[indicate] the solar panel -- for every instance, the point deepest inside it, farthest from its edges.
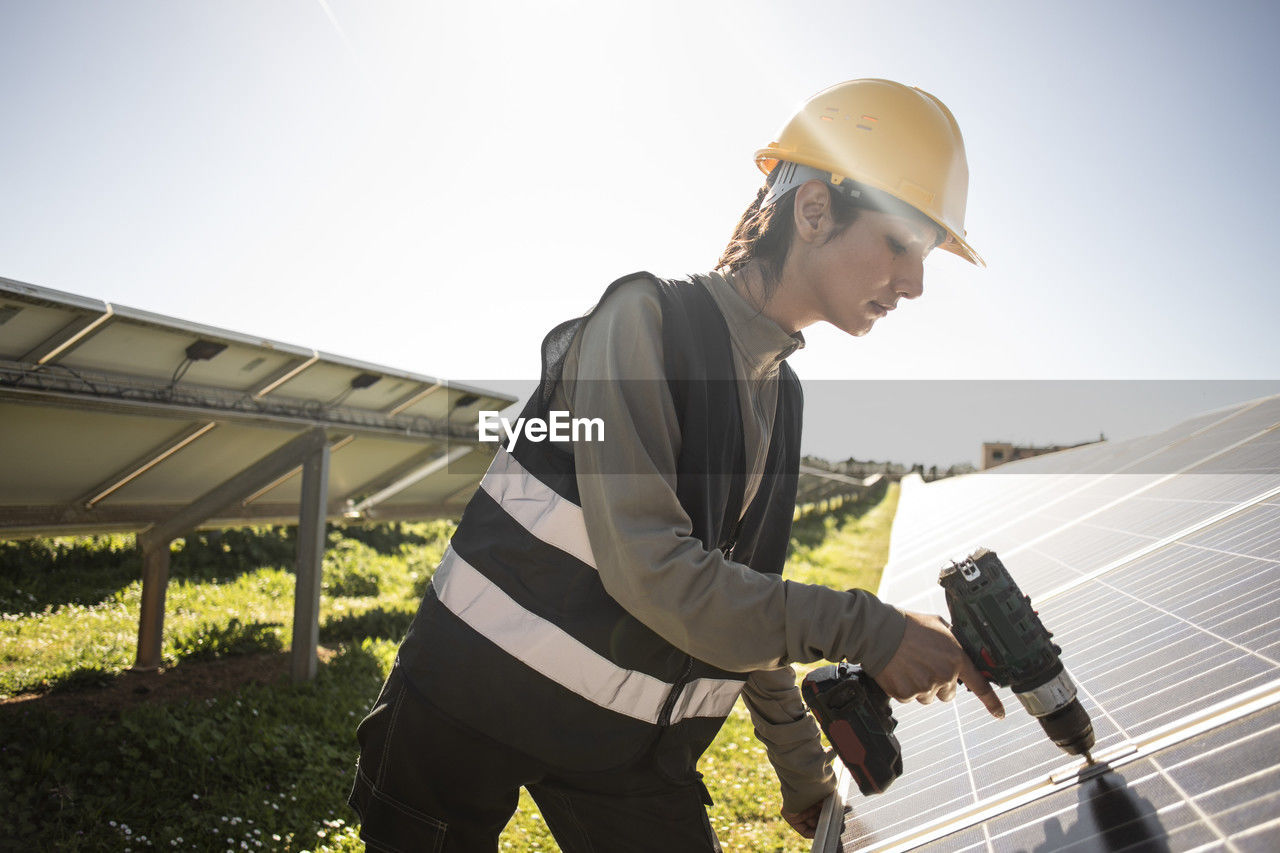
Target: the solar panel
(1216, 789)
(1155, 562)
(108, 421)
(817, 484)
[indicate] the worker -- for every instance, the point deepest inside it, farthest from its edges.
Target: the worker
(605, 601)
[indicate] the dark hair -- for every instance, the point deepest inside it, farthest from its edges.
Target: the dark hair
(765, 234)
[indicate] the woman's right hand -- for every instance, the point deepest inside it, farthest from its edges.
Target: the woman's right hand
(928, 663)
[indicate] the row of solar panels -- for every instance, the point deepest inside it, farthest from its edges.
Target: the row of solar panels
(1156, 562)
(818, 486)
(111, 417)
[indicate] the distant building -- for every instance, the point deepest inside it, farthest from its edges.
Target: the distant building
(999, 452)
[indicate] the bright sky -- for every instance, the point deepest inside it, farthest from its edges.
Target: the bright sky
(433, 186)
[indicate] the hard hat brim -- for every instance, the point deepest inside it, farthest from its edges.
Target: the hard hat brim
(958, 246)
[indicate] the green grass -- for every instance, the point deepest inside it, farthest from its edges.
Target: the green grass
(847, 547)
(218, 603)
(267, 767)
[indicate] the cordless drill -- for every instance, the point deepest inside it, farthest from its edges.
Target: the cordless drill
(995, 625)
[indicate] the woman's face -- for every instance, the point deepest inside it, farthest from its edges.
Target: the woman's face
(858, 276)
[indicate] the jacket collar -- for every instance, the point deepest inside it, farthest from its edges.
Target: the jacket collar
(761, 343)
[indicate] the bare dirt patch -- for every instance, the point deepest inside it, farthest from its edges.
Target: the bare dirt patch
(188, 680)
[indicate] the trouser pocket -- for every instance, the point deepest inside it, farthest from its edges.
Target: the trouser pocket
(389, 826)
(387, 822)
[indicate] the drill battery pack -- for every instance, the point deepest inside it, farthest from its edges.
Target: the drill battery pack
(853, 712)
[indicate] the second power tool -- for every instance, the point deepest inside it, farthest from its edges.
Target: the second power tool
(1003, 636)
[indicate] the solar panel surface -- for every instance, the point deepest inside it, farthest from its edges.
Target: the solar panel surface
(1156, 562)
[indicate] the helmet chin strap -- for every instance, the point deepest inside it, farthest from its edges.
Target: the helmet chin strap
(787, 176)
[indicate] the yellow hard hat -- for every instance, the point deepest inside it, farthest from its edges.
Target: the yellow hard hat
(887, 136)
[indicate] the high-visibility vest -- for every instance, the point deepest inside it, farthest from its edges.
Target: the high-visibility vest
(516, 637)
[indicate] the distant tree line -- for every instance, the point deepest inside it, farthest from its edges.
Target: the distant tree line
(892, 470)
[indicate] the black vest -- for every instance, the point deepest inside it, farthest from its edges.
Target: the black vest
(518, 639)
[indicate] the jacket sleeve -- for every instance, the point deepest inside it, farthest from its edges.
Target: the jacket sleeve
(790, 737)
(719, 611)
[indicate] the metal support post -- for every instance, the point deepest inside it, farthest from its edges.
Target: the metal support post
(154, 542)
(155, 580)
(306, 596)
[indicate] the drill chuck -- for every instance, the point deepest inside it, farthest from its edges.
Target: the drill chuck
(1059, 712)
(1070, 728)
(1048, 697)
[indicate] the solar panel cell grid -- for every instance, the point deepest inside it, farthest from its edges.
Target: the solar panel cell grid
(1111, 813)
(1106, 535)
(1223, 490)
(1216, 789)
(1174, 616)
(1232, 598)
(1257, 457)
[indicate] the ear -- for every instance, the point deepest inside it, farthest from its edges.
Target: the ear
(812, 211)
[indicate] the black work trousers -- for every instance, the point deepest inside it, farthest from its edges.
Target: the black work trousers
(426, 783)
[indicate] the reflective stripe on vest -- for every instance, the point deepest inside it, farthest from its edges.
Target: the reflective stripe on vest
(538, 509)
(544, 646)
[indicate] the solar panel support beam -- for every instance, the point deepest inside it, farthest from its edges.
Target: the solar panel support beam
(438, 463)
(67, 338)
(265, 470)
(306, 596)
(154, 542)
(393, 475)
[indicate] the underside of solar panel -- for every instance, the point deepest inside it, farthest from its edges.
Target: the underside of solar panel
(112, 418)
(1156, 562)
